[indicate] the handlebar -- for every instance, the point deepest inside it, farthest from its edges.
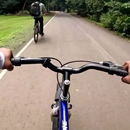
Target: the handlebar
(105, 66)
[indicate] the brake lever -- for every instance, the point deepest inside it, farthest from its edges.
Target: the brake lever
(115, 69)
(111, 64)
(108, 63)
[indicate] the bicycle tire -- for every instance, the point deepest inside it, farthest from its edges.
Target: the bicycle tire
(36, 34)
(39, 28)
(55, 119)
(55, 123)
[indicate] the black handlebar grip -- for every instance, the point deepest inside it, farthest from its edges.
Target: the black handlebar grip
(122, 73)
(16, 61)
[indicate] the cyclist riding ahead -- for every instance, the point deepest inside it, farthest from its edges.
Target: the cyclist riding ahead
(37, 10)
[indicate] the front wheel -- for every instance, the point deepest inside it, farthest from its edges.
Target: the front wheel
(55, 119)
(55, 124)
(36, 34)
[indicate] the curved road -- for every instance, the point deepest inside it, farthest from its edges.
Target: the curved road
(100, 101)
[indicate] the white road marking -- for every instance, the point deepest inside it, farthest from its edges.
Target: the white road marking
(24, 48)
(98, 45)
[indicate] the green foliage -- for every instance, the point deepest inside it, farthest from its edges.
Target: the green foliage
(126, 29)
(23, 13)
(108, 20)
(87, 7)
(125, 8)
(120, 24)
(14, 6)
(57, 4)
(113, 5)
(8, 6)
(113, 14)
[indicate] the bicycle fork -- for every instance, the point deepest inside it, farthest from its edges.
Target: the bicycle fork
(55, 110)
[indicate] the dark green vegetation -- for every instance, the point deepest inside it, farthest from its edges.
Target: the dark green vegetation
(14, 6)
(112, 14)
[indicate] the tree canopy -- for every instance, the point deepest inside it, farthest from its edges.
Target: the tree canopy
(113, 14)
(14, 6)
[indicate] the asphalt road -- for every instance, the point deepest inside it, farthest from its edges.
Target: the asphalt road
(100, 101)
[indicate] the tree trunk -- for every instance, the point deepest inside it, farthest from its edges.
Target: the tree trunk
(24, 5)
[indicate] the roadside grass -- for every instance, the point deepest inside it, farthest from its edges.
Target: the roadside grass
(111, 31)
(14, 30)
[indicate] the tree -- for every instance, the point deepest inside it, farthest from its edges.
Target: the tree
(24, 4)
(6, 8)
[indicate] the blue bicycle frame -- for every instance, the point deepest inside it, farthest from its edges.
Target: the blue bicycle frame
(63, 98)
(63, 111)
(64, 120)
(63, 104)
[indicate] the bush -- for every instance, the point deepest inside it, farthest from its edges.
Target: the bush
(82, 12)
(95, 17)
(108, 20)
(126, 29)
(125, 8)
(25, 12)
(72, 11)
(120, 24)
(1, 11)
(9, 14)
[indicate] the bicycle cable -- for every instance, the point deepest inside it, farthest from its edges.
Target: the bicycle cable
(70, 63)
